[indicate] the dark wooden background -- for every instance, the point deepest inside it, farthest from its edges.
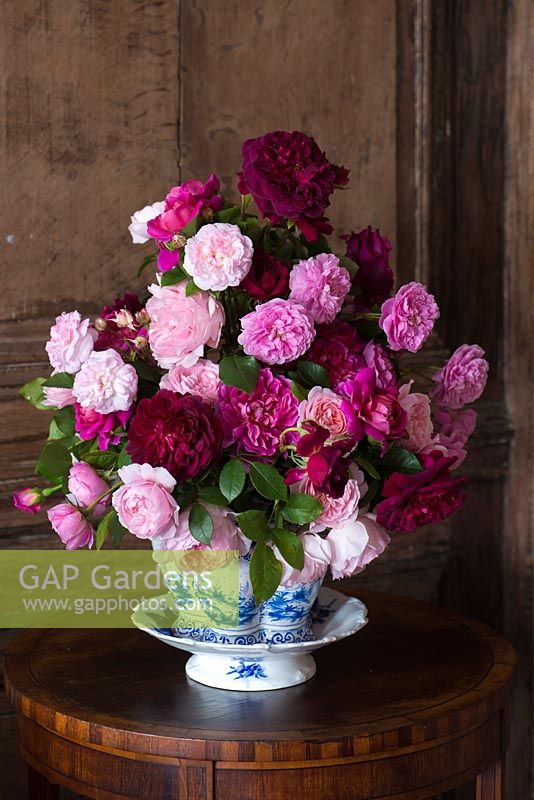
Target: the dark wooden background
(104, 105)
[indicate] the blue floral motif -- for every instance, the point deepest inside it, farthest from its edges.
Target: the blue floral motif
(320, 614)
(247, 609)
(290, 605)
(247, 669)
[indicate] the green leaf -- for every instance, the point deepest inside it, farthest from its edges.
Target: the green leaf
(61, 380)
(301, 508)
(231, 215)
(124, 458)
(350, 266)
(54, 432)
(191, 288)
(213, 495)
(116, 531)
(172, 276)
(33, 393)
(290, 547)
(146, 371)
(299, 391)
(367, 466)
(268, 481)
(100, 459)
(399, 460)
(150, 259)
(191, 228)
(253, 524)
(103, 529)
(311, 374)
(184, 494)
(265, 572)
(64, 419)
(54, 462)
(232, 479)
(200, 524)
(239, 371)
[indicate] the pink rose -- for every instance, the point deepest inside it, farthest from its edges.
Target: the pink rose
(226, 535)
(408, 318)
(71, 526)
(90, 423)
(455, 429)
(371, 411)
(355, 545)
(376, 357)
(105, 383)
(57, 398)
(324, 407)
(419, 427)
(337, 511)
(317, 555)
(71, 342)
(276, 332)
(86, 485)
(201, 379)
(320, 285)
(218, 256)
(462, 378)
(182, 204)
(181, 326)
(28, 499)
(144, 504)
(140, 219)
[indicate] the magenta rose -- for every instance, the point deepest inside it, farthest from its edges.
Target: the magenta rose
(289, 176)
(178, 432)
(374, 280)
(326, 468)
(408, 318)
(267, 278)
(422, 498)
(182, 204)
(254, 422)
(370, 410)
(28, 499)
(71, 526)
(463, 377)
(276, 332)
(320, 285)
(90, 423)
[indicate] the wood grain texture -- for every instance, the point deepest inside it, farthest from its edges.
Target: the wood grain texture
(89, 136)
(112, 714)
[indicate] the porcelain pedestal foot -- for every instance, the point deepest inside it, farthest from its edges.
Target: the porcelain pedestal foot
(250, 674)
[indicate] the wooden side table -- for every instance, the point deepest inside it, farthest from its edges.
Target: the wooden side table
(413, 705)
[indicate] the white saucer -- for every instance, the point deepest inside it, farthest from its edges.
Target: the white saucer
(260, 667)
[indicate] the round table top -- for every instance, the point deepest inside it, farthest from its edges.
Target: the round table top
(414, 673)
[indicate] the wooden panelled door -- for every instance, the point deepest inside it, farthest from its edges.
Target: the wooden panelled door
(427, 102)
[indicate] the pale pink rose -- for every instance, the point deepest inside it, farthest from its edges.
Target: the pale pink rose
(55, 397)
(226, 535)
(71, 526)
(317, 557)
(419, 426)
(200, 379)
(321, 285)
(86, 485)
(455, 429)
(105, 383)
(140, 219)
(408, 318)
(218, 256)
(324, 407)
(355, 545)
(71, 342)
(462, 378)
(336, 511)
(277, 332)
(181, 326)
(144, 504)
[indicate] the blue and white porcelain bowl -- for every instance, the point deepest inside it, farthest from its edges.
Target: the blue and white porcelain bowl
(264, 665)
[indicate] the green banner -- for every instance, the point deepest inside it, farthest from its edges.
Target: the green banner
(85, 589)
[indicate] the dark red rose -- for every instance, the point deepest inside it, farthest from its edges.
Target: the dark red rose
(120, 337)
(290, 177)
(175, 431)
(422, 498)
(266, 278)
(338, 349)
(374, 280)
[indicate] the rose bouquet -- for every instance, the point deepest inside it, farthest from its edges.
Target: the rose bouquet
(260, 396)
